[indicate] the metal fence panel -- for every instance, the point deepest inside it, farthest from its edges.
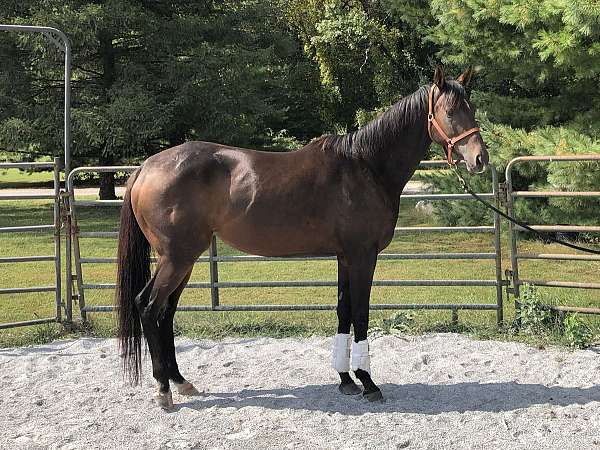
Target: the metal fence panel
(214, 259)
(516, 256)
(55, 228)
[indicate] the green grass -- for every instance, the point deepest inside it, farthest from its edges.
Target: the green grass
(219, 324)
(16, 178)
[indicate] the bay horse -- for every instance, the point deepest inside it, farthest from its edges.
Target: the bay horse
(339, 195)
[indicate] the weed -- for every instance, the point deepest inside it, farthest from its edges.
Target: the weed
(576, 333)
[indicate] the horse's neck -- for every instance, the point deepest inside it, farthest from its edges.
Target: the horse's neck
(396, 163)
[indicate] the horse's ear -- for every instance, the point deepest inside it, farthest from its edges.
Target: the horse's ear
(438, 77)
(465, 77)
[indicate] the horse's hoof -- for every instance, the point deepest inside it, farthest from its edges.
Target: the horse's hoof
(375, 396)
(187, 388)
(349, 388)
(164, 400)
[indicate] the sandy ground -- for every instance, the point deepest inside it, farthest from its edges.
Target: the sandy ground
(442, 391)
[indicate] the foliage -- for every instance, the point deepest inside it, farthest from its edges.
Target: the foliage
(505, 143)
(367, 57)
(577, 333)
(536, 318)
(149, 75)
(541, 56)
(397, 323)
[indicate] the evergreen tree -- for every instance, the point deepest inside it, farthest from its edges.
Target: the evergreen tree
(149, 75)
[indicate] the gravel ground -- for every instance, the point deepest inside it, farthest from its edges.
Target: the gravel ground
(442, 391)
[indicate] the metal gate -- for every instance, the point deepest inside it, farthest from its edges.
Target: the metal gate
(213, 259)
(62, 43)
(516, 256)
(53, 228)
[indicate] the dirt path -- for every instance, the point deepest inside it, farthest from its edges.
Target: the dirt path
(442, 391)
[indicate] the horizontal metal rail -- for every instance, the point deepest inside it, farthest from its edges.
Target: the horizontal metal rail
(405, 230)
(558, 256)
(536, 194)
(432, 197)
(27, 289)
(25, 259)
(474, 229)
(316, 283)
(26, 165)
(4, 326)
(488, 196)
(26, 229)
(26, 197)
(255, 258)
(318, 307)
(575, 309)
(561, 284)
(563, 228)
(98, 202)
(553, 158)
(99, 234)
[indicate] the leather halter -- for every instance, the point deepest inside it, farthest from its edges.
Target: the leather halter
(448, 143)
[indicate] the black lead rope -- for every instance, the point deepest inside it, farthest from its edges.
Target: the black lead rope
(468, 190)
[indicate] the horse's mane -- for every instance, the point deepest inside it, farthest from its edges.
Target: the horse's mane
(382, 132)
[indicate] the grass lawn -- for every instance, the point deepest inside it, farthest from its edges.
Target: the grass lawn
(16, 178)
(218, 324)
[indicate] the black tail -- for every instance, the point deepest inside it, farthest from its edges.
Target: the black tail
(133, 273)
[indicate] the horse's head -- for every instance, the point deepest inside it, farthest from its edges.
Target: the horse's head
(451, 121)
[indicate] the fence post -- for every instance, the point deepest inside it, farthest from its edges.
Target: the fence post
(498, 248)
(57, 227)
(68, 261)
(214, 273)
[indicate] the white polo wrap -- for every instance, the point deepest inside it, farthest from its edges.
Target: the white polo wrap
(340, 353)
(360, 356)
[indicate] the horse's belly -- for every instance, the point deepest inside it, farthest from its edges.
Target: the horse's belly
(279, 240)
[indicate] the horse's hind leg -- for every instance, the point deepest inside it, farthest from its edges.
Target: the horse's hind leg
(153, 308)
(165, 328)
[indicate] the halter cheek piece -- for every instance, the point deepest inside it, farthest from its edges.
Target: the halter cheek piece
(448, 143)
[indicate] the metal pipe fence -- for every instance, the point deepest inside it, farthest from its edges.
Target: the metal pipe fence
(213, 259)
(55, 227)
(516, 255)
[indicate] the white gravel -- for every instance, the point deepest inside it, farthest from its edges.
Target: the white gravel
(442, 391)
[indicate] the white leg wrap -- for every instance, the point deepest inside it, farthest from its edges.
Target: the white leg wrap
(360, 356)
(340, 353)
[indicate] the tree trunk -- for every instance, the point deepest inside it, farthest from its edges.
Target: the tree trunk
(107, 180)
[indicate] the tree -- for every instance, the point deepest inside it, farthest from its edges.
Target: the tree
(150, 75)
(367, 57)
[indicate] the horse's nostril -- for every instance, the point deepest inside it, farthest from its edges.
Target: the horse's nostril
(479, 160)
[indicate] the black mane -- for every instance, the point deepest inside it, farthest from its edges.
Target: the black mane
(383, 132)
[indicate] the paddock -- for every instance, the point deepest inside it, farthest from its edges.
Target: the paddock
(441, 390)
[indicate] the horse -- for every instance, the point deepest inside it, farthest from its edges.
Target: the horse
(337, 196)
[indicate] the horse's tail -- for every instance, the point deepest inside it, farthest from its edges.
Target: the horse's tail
(133, 273)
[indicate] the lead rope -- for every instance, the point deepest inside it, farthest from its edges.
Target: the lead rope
(468, 190)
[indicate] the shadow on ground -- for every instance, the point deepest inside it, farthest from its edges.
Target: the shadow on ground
(407, 398)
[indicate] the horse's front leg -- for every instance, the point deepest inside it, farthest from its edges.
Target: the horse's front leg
(340, 355)
(361, 270)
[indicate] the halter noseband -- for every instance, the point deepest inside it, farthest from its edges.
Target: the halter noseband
(449, 143)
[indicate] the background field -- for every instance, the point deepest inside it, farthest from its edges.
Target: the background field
(217, 324)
